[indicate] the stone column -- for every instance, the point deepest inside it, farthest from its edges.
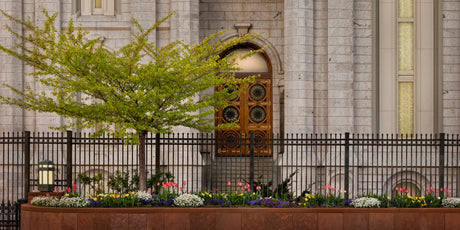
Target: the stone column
(185, 24)
(185, 27)
(11, 71)
(144, 11)
(340, 66)
(34, 121)
(298, 59)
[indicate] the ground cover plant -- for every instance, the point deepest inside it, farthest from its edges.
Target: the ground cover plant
(172, 196)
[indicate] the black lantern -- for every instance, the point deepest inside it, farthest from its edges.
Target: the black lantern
(46, 176)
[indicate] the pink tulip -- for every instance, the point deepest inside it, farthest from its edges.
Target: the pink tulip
(229, 183)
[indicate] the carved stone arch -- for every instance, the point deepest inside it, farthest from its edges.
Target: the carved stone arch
(337, 181)
(270, 50)
(275, 59)
(405, 177)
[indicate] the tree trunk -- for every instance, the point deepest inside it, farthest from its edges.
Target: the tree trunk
(142, 171)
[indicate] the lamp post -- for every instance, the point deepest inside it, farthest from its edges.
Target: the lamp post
(46, 176)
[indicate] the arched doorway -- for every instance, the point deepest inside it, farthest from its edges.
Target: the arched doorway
(251, 110)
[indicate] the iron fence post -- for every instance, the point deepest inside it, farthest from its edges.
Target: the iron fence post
(26, 163)
(441, 159)
(18, 211)
(251, 160)
(157, 153)
(69, 158)
(347, 164)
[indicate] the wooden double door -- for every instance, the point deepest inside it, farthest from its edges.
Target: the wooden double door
(252, 112)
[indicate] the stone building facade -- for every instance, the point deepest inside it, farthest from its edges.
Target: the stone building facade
(359, 66)
(334, 64)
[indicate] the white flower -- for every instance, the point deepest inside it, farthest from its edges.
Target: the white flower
(46, 201)
(451, 202)
(366, 202)
(73, 202)
(67, 202)
(144, 195)
(188, 200)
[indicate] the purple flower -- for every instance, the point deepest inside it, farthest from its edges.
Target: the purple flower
(253, 202)
(348, 202)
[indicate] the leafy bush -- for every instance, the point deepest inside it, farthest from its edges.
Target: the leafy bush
(121, 182)
(95, 182)
(281, 191)
(158, 180)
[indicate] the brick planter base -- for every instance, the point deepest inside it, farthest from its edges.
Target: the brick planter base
(33, 217)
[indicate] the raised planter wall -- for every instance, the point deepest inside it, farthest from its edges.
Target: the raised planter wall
(33, 218)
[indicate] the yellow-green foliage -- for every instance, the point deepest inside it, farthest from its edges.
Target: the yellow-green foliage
(132, 90)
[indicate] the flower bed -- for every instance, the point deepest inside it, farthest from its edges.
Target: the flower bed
(35, 217)
(240, 209)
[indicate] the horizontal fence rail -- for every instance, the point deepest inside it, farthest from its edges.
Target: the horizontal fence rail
(352, 164)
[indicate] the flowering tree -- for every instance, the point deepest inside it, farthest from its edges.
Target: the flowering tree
(128, 92)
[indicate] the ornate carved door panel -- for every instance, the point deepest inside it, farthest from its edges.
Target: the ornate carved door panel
(252, 112)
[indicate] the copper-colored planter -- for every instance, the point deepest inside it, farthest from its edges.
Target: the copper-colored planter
(33, 217)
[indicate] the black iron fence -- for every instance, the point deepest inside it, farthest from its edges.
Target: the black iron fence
(349, 163)
(10, 214)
